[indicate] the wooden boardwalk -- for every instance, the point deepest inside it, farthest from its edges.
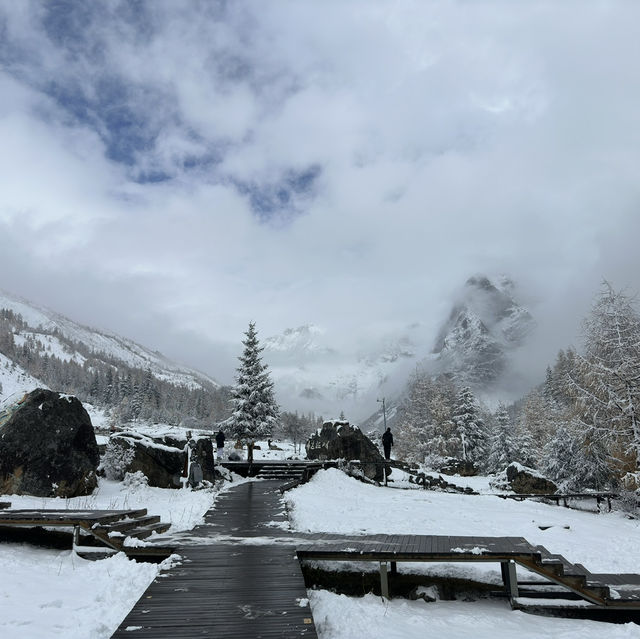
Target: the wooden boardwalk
(239, 576)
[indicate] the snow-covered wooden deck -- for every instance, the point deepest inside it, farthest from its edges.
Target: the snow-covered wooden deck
(240, 574)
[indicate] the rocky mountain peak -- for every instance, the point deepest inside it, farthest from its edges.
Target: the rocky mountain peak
(485, 325)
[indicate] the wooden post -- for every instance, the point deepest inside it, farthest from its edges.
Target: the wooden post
(384, 582)
(509, 578)
(394, 567)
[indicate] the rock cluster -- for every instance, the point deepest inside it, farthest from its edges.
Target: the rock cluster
(337, 439)
(462, 467)
(438, 483)
(161, 459)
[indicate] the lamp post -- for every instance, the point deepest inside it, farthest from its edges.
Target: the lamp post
(384, 416)
(384, 411)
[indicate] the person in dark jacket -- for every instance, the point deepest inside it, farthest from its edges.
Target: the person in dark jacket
(387, 443)
(220, 443)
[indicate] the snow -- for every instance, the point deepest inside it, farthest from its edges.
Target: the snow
(52, 346)
(56, 594)
(341, 617)
(15, 381)
(333, 502)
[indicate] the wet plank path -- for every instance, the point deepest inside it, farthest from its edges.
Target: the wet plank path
(239, 576)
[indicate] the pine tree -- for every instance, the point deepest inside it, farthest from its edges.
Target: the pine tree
(502, 450)
(470, 427)
(255, 409)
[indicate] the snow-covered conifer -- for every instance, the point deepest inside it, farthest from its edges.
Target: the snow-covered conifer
(255, 409)
(469, 427)
(502, 446)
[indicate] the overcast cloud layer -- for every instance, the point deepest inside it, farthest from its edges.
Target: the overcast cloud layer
(172, 170)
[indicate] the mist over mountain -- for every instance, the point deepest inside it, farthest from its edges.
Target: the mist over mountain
(479, 344)
(486, 326)
(311, 374)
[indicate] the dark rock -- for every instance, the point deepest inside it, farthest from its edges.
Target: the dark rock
(340, 440)
(163, 459)
(204, 453)
(527, 481)
(48, 447)
(453, 466)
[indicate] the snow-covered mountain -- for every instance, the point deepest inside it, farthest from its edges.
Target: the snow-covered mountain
(486, 326)
(475, 344)
(310, 373)
(59, 336)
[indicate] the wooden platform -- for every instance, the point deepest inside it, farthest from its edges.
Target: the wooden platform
(110, 527)
(612, 591)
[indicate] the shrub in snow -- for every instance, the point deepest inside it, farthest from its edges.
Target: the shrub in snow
(116, 460)
(136, 480)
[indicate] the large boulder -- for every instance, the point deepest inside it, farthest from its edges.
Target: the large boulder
(524, 481)
(47, 447)
(339, 440)
(161, 459)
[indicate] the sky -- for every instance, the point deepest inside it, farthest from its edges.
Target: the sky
(173, 170)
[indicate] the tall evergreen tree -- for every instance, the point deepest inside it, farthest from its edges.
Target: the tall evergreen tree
(255, 409)
(502, 445)
(470, 427)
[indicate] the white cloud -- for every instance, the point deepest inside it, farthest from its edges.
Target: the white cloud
(451, 138)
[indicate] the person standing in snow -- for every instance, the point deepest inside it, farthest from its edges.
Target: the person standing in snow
(220, 444)
(387, 443)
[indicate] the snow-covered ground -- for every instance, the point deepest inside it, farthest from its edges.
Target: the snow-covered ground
(51, 593)
(340, 617)
(333, 502)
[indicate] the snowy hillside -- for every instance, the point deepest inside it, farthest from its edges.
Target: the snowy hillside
(45, 324)
(14, 380)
